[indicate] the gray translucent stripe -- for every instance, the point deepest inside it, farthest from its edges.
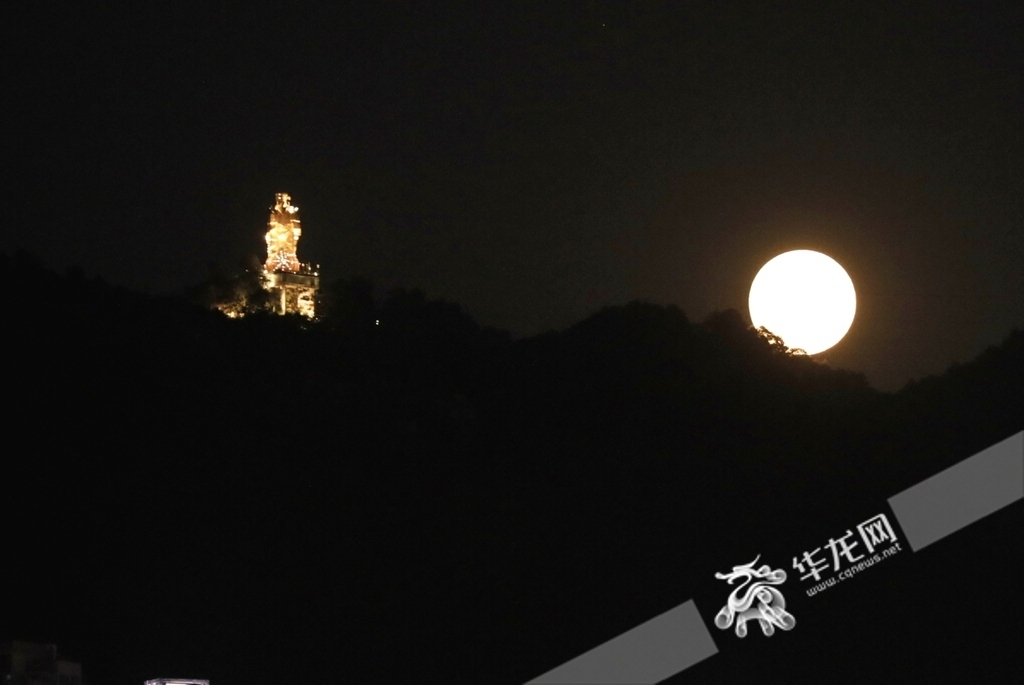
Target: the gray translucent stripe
(651, 652)
(962, 494)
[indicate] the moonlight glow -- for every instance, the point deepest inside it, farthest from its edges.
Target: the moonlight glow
(805, 298)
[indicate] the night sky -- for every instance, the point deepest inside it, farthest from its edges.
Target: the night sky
(534, 162)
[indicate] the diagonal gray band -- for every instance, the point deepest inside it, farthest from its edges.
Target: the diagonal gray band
(651, 652)
(932, 509)
(962, 494)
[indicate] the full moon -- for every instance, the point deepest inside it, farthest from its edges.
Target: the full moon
(805, 298)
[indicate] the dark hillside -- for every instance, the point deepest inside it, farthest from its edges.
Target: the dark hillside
(269, 498)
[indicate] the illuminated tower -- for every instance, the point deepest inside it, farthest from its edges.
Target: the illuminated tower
(283, 236)
(293, 284)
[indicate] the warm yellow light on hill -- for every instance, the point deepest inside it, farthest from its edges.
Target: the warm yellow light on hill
(282, 237)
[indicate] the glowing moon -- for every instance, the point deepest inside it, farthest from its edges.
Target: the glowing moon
(805, 298)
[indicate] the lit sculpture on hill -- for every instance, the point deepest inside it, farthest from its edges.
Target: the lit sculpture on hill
(283, 236)
(283, 285)
(293, 285)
